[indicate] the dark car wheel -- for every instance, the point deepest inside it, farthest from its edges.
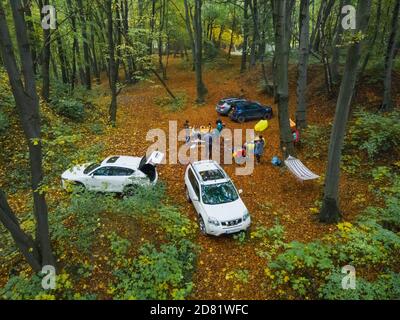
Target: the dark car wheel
(267, 116)
(78, 187)
(202, 226)
(241, 119)
(187, 195)
(130, 191)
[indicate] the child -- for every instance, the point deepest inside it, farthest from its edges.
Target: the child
(259, 148)
(187, 131)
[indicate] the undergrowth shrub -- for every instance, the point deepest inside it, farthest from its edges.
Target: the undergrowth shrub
(376, 134)
(316, 140)
(171, 104)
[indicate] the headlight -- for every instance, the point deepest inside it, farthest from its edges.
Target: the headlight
(213, 221)
(246, 216)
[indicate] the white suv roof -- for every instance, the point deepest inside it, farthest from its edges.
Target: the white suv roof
(209, 172)
(124, 161)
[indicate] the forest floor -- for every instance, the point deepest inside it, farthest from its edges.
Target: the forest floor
(269, 193)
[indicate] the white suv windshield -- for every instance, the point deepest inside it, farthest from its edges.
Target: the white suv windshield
(219, 193)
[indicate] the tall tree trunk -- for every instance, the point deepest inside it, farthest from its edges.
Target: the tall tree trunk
(198, 40)
(243, 66)
(330, 212)
(95, 64)
(125, 23)
(85, 40)
(304, 23)
(282, 39)
(233, 28)
(373, 40)
(112, 65)
(39, 253)
(256, 34)
(336, 50)
(387, 104)
(62, 56)
(75, 45)
(45, 60)
(31, 32)
(188, 19)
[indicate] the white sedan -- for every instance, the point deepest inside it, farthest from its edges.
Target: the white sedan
(121, 174)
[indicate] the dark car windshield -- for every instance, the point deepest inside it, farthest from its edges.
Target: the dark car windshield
(91, 167)
(219, 193)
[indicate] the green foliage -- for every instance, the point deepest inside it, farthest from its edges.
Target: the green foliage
(3, 122)
(316, 139)
(385, 287)
(240, 237)
(29, 287)
(119, 245)
(238, 275)
(70, 108)
(162, 273)
(389, 215)
(171, 104)
(67, 103)
(371, 245)
(269, 240)
(375, 133)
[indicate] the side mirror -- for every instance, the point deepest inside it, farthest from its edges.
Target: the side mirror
(195, 198)
(240, 191)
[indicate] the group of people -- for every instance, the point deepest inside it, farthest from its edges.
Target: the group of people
(256, 147)
(208, 136)
(204, 134)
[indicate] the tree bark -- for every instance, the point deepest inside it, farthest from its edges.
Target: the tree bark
(304, 23)
(336, 50)
(85, 40)
(45, 60)
(330, 212)
(27, 104)
(243, 66)
(112, 65)
(198, 40)
(387, 103)
(282, 38)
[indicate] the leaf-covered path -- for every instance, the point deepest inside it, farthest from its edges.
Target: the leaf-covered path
(269, 193)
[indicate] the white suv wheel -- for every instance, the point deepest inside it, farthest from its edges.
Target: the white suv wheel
(188, 196)
(202, 226)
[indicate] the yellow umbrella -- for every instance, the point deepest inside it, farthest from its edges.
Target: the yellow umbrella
(292, 124)
(261, 126)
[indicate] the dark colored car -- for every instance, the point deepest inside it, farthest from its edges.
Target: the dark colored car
(225, 105)
(248, 110)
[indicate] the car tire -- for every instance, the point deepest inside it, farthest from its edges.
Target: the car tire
(80, 187)
(187, 195)
(130, 190)
(267, 116)
(241, 119)
(202, 226)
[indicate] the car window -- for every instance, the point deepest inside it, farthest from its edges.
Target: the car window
(219, 193)
(252, 107)
(91, 167)
(104, 171)
(121, 172)
(194, 182)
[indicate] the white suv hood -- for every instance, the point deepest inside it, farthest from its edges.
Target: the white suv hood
(227, 211)
(75, 172)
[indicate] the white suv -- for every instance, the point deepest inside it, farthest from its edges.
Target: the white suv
(115, 174)
(217, 202)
